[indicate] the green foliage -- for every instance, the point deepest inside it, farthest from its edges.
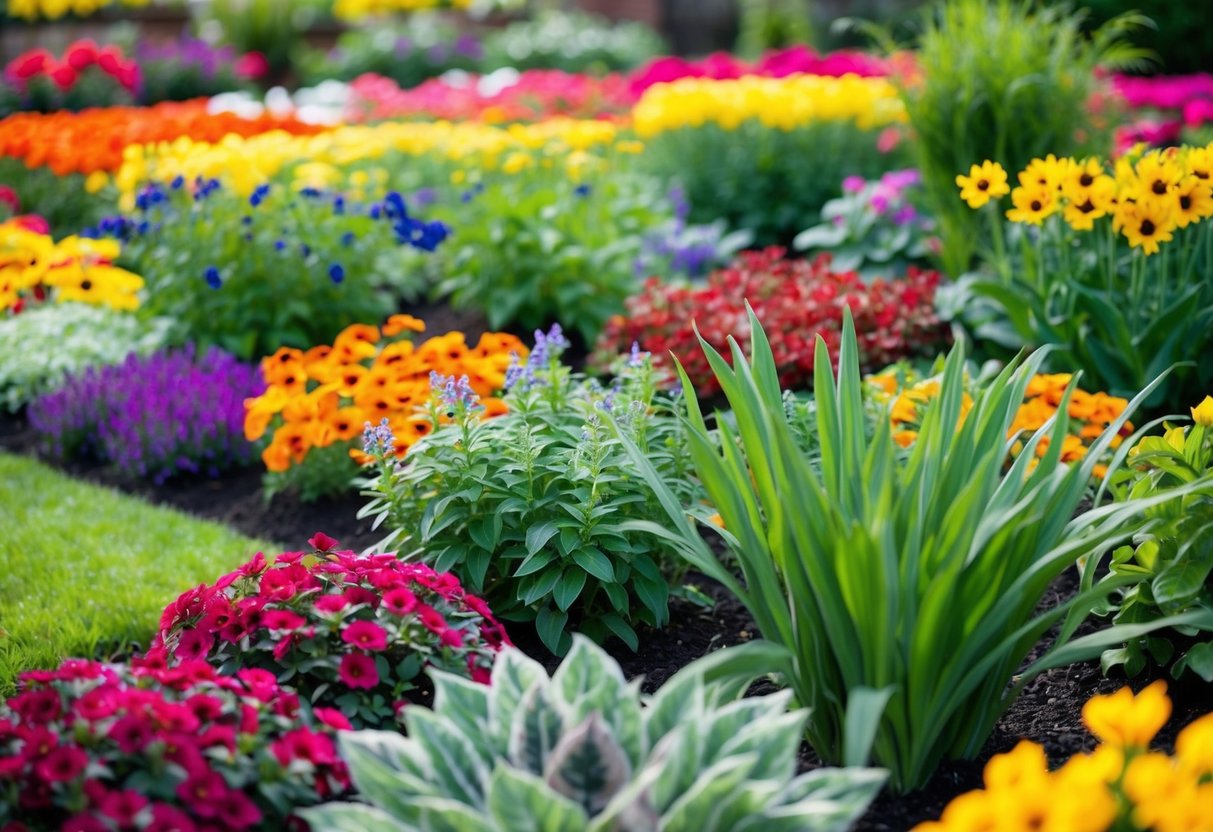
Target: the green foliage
(44, 345)
(62, 201)
(534, 248)
(1180, 35)
(527, 508)
(1171, 565)
(1004, 80)
(854, 563)
(572, 42)
(583, 751)
(255, 273)
(87, 571)
(773, 24)
(769, 181)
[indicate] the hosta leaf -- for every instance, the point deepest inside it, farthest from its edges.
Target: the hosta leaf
(387, 769)
(352, 817)
(588, 766)
(464, 702)
(694, 810)
(513, 675)
(535, 730)
(521, 802)
(458, 767)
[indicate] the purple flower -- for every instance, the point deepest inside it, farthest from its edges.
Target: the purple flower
(378, 440)
(853, 184)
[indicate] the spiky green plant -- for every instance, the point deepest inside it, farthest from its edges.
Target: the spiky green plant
(906, 585)
(583, 750)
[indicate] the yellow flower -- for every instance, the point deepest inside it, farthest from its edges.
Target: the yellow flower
(1087, 203)
(1157, 176)
(1080, 176)
(1124, 720)
(96, 180)
(1194, 747)
(1202, 414)
(1047, 173)
(1145, 224)
(1200, 162)
(1193, 201)
(985, 182)
(1032, 204)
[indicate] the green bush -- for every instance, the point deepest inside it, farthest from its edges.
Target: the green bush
(572, 42)
(582, 751)
(1006, 80)
(854, 562)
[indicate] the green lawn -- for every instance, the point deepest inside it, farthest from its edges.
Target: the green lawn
(85, 571)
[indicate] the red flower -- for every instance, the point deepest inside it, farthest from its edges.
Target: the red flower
(130, 733)
(67, 762)
(399, 601)
(193, 645)
(321, 542)
(9, 197)
(238, 812)
(330, 603)
(34, 62)
(204, 793)
(251, 66)
(64, 77)
(84, 823)
(282, 620)
(166, 818)
(333, 718)
(366, 635)
(123, 806)
(358, 670)
(81, 55)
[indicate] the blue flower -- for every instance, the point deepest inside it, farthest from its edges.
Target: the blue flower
(178, 182)
(212, 277)
(347, 239)
(305, 250)
(259, 195)
(336, 273)
(395, 207)
(582, 191)
(279, 245)
(339, 205)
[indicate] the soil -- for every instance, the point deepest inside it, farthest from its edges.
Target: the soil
(1048, 711)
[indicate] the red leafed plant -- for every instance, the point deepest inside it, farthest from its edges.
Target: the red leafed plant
(796, 300)
(102, 747)
(348, 631)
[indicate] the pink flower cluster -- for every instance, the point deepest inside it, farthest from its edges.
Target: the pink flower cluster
(345, 630)
(79, 58)
(1173, 102)
(91, 747)
(781, 63)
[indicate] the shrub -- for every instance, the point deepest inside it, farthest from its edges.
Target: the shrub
(1169, 568)
(531, 508)
(92, 746)
(873, 226)
(278, 267)
(572, 42)
(63, 200)
(1122, 784)
(1007, 80)
(1114, 271)
(188, 68)
(86, 75)
(155, 416)
(317, 402)
(797, 298)
(347, 631)
(765, 153)
(854, 561)
(44, 346)
(582, 751)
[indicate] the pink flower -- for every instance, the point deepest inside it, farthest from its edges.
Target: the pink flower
(83, 823)
(333, 718)
(303, 744)
(276, 585)
(262, 684)
(98, 703)
(365, 634)
(399, 601)
(330, 603)
(452, 637)
(81, 54)
(853, 184)
(65, 763)
(123, 806)
(204, 793)
(9, 197)
(358, 670)
(254, 567)
(238, 812)
(130, 733)
(38, 706)
(32, 222)
(432, 619)
(321, 542)
(168, 818)
(360, 595)
(282, 620)
(251, 66)
(193, 645)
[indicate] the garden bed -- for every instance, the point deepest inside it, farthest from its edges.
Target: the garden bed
(1048, 711)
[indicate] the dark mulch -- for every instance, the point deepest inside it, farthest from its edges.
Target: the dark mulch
(1048, 712)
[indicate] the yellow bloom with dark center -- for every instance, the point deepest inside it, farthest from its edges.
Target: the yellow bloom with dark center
(1082, 175)
(1048, 173)
(1200, 163)
(1157, 177)
(1125, 720)
(1087, 203)
(1032, 205)
(1193, 201)
(1145, 224)
(985, 182)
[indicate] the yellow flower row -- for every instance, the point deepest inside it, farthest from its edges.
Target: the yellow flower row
(779, 103)
(1122, 784)
(55, 9)
(1147, 196)
(245, 163)
(74, 269)
(357, 9)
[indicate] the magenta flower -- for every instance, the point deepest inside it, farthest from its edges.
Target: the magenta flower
(358, 670)
(399, 601)
(65, 763)
(365, 634)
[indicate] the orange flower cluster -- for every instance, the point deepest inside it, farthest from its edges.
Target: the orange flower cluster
(1091, 412)
(94, 140)
(325, 395)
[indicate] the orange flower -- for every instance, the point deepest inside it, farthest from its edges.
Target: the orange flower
(493, 407)
(399, 323)
(357, 332)
(395, 353)
(343, 424)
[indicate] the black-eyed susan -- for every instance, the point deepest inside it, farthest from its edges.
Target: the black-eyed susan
(985, 182)
(1048, 173)
(1081, 175)
(1193, 201)
(1032, 205)
(1087, 203)
(1199, 162)
(1146, 224)
(1158, 175)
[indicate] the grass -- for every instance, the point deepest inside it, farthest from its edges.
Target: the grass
(85, 571)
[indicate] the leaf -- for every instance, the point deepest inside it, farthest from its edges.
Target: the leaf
(538, 536)
(596, 563)
(865, 708)
(588, 765)
(1199, 660)
(350, 817)
(521, 802)
(617, 625)
(536, 727)
(1182, 579)
(550, 625)
(571, 582)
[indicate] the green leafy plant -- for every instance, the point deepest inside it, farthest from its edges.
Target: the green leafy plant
(1007, 80)
(582, 751)
(1170, 564)
(527, 508)
(532, 247)
(573, 42)
(44, 345)
(420, 47)
(854, 562)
